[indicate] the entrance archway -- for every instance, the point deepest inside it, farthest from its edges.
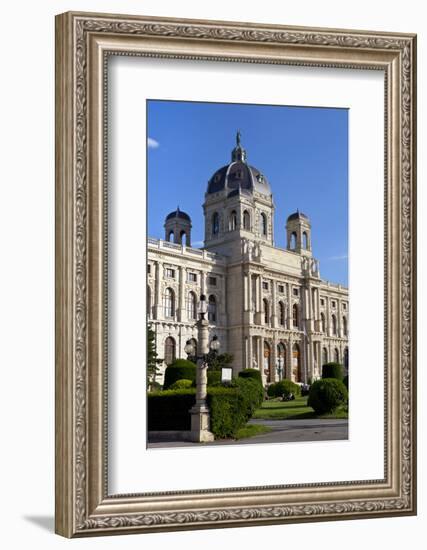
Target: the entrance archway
(267, 362)
(296, 363)
(281, 361)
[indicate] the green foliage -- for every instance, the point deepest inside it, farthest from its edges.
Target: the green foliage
(169, 410)
(283, 388)
(182, 384)
(326, 395)
(332, 370)
(152, 358)
(179, 369)
(251, 373)
(345, 381)
(214, 378)
(230, 407)
(218, 360)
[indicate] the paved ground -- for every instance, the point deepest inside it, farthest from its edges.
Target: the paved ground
(282, 431)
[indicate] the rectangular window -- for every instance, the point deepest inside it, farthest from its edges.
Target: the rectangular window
(192, 277)
(295, 291)
(333, 303)
(212, 281)
(149, 268)
(170, 273)
(281, 289)
(265, 285)
(322, 301)
(344, 306)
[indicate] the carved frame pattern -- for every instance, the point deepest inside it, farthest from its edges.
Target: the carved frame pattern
(83, 506)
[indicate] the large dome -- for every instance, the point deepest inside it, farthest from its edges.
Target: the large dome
(238, 175)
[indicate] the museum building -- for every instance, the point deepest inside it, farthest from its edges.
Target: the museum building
(268, 306)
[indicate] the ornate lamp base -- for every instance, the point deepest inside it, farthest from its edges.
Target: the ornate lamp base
(200, 424)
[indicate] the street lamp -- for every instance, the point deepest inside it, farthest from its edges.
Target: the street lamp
(200, 418)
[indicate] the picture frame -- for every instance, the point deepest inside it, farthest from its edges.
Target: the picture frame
(84, 506)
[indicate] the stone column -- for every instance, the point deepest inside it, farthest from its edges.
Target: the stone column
(245, 292)
(181, 306)
(203, 287)
(328, 317)
(289, 373)
(250, 356)
(158, 309)
(273, 305)
(289, 319)
(274, 364)
(200, 419)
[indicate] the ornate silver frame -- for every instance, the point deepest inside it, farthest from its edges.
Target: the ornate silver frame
(83, 506)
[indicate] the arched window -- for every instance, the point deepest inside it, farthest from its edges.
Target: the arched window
(266, 311)
(170, 350)
(233, 221)
(324, 356)
(264, 223)
(169, 303)
(346, 359)
(334, 325)
(336, 355)
(215, 223)
(282, 314)
(305, 240)
(344, 325)
(246, 220)
(148, 301)
(183, 238)
(323, 322)
(191, 306)
(281, 361)
(212, 309)
(295, 320)
(293, 243)
(171, 236)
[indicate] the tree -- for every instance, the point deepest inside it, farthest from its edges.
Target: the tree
(218, 360)
(152, 358)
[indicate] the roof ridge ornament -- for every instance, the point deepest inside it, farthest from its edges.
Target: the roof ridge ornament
(239, 153)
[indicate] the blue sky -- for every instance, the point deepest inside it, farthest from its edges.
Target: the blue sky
(302, 151)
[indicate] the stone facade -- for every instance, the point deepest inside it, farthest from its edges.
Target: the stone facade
(268, 306)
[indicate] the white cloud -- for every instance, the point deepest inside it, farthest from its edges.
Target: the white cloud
(152, 143)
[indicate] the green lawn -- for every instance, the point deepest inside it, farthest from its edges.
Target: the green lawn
(293, 410)
(252, 429)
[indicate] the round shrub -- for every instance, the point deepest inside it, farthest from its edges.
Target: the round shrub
(214, 378)
(182, 384)
(326, 395)
(283, 388)
(345, 381)
(251, 373)
(178, 370)
(332, 370)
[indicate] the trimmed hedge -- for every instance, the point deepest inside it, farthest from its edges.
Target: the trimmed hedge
(345, 381)
(230, 407)
(251, 373)
(182, 384)
(178, 370)
(326, 395)
(169, 410)
(283, 388)
(332, 370)
(214, 378)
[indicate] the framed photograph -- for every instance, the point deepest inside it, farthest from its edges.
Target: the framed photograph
(235, 274)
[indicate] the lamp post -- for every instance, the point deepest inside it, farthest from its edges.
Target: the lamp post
(200, 419)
